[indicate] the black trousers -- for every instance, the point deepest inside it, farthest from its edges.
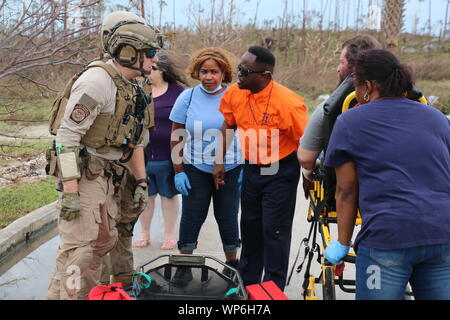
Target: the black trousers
(268, 206)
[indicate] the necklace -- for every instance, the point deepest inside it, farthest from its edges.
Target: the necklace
(265, 116)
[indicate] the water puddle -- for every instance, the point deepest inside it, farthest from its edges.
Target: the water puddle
(25, 276)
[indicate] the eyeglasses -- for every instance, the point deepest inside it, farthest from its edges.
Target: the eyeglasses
(150, 53)
(245, 72)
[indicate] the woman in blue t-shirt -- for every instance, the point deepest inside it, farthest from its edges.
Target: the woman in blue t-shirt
(392, 160)
(196, 115)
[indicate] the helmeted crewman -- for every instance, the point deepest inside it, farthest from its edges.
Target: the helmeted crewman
(100, 121)
(118, 265)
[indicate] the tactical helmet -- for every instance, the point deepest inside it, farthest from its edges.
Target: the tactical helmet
(112, 20)
(136, 36)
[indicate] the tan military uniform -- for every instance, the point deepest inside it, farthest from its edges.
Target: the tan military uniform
(87, 238)
(119, 263)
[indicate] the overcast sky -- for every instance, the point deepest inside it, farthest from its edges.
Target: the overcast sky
(416, 17)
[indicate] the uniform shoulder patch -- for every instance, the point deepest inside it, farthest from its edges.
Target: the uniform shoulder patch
(79, 113)
(87, 101)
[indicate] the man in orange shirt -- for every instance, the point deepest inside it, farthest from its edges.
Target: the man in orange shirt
(270, 120)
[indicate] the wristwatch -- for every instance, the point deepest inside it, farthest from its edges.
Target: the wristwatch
(139, 181)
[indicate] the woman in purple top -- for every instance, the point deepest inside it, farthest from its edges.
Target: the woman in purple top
(165, 90)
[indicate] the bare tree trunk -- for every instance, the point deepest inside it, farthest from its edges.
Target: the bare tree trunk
(336, 17)
(348, 15)
(321, 16)
(65, 19)
(160, 12)
(429, 18)
(444, 32)
(392, 23)
(143, 8)
(174, 14)
(258, 2)
(303, 34)
(357, 14)
(213, 7)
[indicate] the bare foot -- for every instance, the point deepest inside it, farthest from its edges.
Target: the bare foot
(169, 245)
(142, 242)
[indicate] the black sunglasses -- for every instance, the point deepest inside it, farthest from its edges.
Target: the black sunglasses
(150, 53)
(245, 72)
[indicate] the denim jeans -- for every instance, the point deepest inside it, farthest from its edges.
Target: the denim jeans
(195, 208)
(384, 274)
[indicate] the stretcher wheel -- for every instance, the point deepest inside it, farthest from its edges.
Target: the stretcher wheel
(328, 289)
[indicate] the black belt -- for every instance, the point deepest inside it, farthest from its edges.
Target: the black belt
(288, 158)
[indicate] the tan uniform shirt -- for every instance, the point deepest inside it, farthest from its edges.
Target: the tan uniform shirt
(93, 93)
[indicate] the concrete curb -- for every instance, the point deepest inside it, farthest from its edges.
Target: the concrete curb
(27, 229)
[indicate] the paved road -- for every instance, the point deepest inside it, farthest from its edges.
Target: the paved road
(28, 279)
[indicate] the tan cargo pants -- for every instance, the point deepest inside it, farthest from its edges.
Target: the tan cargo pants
(84, 241)
(119, 263)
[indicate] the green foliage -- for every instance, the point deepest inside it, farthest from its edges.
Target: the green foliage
(25, 149)
(16, 201)
(34, 109)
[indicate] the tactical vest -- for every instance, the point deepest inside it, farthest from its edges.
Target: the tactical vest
(333, 106)
(108, 130)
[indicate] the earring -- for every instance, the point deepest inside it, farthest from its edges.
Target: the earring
(366, 97)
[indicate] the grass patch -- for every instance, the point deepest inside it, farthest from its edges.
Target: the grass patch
(439, 89)
(25, 149)
(16, 201)
(34, 109)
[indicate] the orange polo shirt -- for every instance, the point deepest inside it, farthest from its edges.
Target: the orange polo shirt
(270, 122)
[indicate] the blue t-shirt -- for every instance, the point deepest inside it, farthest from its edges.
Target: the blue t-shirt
(200, 114)
(401, 151)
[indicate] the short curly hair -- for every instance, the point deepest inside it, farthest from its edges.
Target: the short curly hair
(221, 56)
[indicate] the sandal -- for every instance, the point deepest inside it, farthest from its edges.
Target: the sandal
(169, 245)
(142, 243)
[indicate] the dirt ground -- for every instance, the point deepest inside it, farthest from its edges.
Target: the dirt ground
(27, 168)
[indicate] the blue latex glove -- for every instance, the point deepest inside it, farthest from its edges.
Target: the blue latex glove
(335, 252)
(182, 183)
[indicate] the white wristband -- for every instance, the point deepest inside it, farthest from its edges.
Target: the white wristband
(307, 174)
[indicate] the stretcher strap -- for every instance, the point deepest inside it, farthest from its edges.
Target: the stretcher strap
(309, 251)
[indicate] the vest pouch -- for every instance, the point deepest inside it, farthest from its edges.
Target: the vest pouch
(51, 167)
(58, 109)
(95, 167)
(96, 136)
(124, 131)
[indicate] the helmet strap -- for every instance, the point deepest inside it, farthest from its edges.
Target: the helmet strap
(141, 64)
(140, 68)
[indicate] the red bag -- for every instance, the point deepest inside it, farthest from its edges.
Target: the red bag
(112, 292)
(265, 291)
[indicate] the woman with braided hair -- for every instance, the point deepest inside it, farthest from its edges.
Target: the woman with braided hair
(196, 112)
